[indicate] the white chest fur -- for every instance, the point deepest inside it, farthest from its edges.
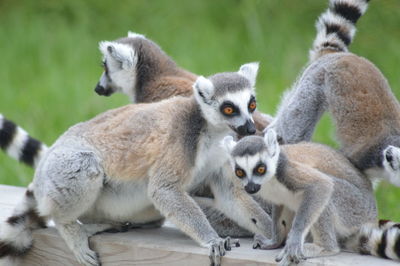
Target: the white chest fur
(210, 158)
(277, 193)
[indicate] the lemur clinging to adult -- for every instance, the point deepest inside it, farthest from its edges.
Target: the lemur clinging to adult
(332, 199)
(352, 90)
(141, 174)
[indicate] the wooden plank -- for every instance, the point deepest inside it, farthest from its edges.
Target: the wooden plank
(162, 246)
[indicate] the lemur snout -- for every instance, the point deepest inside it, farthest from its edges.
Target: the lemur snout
(100, 90)
(252, 188)
(249, 128)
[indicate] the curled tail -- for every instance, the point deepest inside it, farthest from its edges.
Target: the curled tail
(382, 241)
(16, 231)
(336, 26)
(17, 143)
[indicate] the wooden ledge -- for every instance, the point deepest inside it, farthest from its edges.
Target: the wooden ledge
(163, 246)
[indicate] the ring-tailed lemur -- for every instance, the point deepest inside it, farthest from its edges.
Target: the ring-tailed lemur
(330, 197)
(352, 90)
(142, 170)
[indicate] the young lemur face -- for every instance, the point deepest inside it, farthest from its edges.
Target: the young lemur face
(119, 63)
(391, 164)
(228, 99)
(253, 159)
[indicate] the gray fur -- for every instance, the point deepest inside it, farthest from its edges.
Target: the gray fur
(250, 146)
(302, 106)
(228, 82)
(190, 126)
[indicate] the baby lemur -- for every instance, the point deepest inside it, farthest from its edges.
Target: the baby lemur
(331, 198)
(138, 164)
(352, 90)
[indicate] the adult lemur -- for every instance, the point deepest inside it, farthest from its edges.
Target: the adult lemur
(353, 90)
(137, 164)
(331, 198)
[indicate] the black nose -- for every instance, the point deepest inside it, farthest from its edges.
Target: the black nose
(100, 90)
(247, 129)
(252, 188)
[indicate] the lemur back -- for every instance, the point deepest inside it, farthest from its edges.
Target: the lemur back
(332, 199)
(353, 90)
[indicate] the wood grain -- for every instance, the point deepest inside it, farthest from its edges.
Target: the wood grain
(163, 246)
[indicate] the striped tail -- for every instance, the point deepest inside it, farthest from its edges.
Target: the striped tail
(17, 143)
(336, 26)
(16, 231)
(382, 241)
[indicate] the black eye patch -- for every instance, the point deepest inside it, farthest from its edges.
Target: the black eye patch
(252, 105)
(260, 169)
(239, 172)
(229, 109)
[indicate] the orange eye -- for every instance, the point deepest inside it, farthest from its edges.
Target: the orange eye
(252, 106)
(228, 110)
(261, 170)
(239, 173)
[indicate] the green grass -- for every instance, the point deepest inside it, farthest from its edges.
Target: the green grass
(50, 61)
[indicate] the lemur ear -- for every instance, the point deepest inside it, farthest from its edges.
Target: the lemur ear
(132, 34)
(250, 71)
(391, 162)
(228, 143)
(121, 53)
(271, 141)
(204, 88)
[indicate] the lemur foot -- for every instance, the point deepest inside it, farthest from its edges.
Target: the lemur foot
(291, 253)
(87, 257)
(262, 242)
(219, 247)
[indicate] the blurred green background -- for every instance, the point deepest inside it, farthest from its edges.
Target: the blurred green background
(50, 62)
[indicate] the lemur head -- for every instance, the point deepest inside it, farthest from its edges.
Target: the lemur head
(228, 99)
(119, 63)
(391, 164)
(253, 159)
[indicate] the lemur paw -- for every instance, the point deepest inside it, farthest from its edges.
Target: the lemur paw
(88, 258)
(291, 253)
(218, 249)
(262, 242)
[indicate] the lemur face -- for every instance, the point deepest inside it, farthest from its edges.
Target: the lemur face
(391, 164)
(228, 99)
(119, 63)
(253, 159)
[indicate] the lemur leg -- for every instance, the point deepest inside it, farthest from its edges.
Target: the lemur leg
(301, 108)
(278, 232)
(223, 225)
(324, 237)
(315, 199)
(77, 239)
(238, 205)
(66, 186)
(181, 209)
